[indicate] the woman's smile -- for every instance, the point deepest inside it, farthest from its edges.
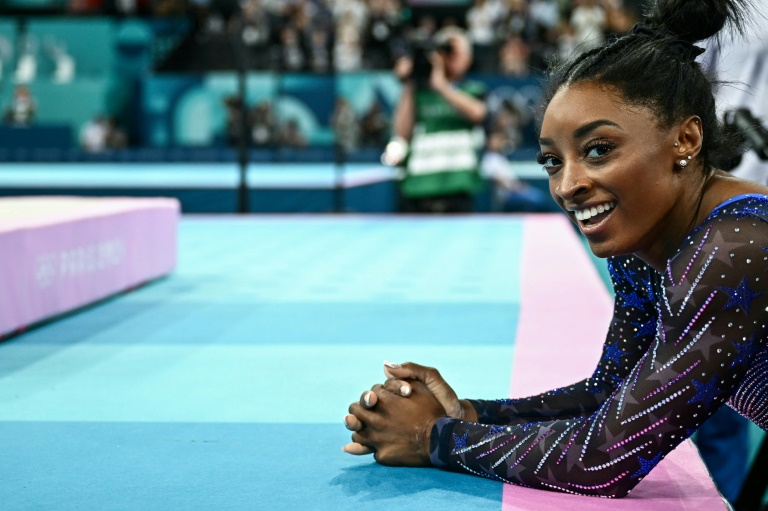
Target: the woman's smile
(591, 218)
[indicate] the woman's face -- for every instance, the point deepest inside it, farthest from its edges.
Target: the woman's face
(612, 170)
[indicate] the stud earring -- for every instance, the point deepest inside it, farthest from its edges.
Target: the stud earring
(677, 144)
(689, 156)
(683, 163)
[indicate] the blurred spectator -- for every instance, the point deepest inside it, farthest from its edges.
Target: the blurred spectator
(513, 57)
(319, 51)
(346, 125)
(262, 125)
(481, 20)
(102, 134)
(507, 124)
(383, 30)
(348, 50)
(510, 193)
(253, 23)
(374, 126)
(291, 136)
(22, 108)
(93, 137)
(116, 136)
(292, 53)
(619, 18)
(424, 30)
(589, 22)
(515, 20)
(234, 122)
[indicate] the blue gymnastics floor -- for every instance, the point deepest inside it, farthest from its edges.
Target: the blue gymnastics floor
(224, 385)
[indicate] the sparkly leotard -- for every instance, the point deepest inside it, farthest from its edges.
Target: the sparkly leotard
(681, 344)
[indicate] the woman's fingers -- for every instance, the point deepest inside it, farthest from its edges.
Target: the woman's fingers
(432, 379)
(353, 423)
(357, 449)
(399, 387)
(368, 399)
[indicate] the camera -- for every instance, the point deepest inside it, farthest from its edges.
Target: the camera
(420, 52)
(749, 133)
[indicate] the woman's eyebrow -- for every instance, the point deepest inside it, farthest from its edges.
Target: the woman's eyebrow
(584, 130)
(546, 141)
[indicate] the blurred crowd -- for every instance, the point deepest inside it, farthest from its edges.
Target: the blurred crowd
(511, 37)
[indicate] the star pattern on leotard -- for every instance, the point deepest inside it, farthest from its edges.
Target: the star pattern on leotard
(705, 392)
(740, 296)
(744, 351)
(646, 465)
(632, 300)
(495, 430)
(460, 442)
(614, 352)
(645, 328)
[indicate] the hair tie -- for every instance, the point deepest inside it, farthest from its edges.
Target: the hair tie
(688, 51)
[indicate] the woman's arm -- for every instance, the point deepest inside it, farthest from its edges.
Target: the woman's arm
(712, 320)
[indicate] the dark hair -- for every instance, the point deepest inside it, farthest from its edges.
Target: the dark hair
(654, 66)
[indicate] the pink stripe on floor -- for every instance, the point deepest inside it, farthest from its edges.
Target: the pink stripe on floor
(565, 312)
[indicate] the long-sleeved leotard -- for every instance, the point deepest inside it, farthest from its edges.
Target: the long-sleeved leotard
(681, 344)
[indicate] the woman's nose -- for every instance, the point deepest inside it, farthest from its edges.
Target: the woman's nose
(571, 183)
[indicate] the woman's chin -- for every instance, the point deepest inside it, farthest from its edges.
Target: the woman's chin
(603, 250)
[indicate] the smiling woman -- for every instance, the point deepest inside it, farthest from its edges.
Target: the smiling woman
(631, 143)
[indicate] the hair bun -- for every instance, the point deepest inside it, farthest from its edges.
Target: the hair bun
(696, 20)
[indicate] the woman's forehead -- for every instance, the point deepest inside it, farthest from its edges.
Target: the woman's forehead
(582, 103)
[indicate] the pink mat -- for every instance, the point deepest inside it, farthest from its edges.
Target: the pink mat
(565, 312)
(61, 253)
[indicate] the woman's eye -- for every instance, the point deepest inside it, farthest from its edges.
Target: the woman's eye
(547, 161)
(598, 151)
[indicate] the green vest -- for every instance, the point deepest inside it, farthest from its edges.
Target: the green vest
(444, 157)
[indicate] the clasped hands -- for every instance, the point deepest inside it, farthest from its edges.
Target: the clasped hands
(393, 421)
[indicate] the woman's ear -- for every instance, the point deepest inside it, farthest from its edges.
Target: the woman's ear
(690, 136)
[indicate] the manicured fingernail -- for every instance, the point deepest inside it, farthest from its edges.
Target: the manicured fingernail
(367, 399)
(405, 390)
(391, 365)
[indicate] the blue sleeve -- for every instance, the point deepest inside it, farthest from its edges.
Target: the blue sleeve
(710, 337)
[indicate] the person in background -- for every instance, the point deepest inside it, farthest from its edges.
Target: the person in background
(346, 126)
(374, 126)
(22, 109)
(438, 128)
(511, 194)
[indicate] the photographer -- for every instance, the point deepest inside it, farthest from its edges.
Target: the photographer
(437, 127)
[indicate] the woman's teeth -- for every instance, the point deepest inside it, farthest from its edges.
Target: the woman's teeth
(586, 214)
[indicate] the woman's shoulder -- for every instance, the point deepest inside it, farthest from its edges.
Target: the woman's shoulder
(729, 195)
(754, 205)
(737, 224)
